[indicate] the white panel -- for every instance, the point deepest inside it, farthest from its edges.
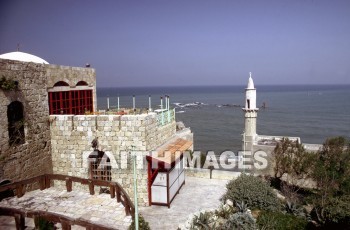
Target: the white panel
(159, 194)
(173, 189)
(173, 175)
(160, 179)
(181, 166)
(181, 178)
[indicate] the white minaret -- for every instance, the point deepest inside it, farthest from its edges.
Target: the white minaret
(250, 115)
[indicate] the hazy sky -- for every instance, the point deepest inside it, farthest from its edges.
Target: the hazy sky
(186, 42)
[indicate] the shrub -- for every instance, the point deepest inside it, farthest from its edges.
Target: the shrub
(43, 224)
(203, 221)
(294, 209)
(280, 221)
(253, 191)
(334, 214)
(241, 221)
(7, 84)
(224, 211)
(143, 224)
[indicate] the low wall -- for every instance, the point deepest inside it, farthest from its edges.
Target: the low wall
(71, 138)
(215, 174)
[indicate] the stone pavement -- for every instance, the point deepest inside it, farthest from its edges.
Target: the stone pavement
(99, 208)
(196, 195)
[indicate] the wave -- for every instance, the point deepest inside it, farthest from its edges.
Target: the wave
(192, 104)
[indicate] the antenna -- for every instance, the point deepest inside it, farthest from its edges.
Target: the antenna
(18, 45)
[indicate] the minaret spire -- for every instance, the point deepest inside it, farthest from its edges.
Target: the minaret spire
(250, 115)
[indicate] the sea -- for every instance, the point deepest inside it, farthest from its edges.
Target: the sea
(214, 113)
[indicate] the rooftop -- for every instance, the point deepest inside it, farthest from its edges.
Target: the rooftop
(24, 57)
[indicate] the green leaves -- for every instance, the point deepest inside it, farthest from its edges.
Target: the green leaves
(253, 191)
(292, 159)
(7, 84)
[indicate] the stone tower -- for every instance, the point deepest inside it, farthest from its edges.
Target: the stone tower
(250, 115)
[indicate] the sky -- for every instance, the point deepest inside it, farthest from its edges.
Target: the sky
(186, 42)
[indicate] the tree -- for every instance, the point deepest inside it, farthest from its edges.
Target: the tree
(291, 159)
(331, 173)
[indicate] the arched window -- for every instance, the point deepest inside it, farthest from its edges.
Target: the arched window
(15, 123)
(100, 166)
(82, 83)
(60, 83)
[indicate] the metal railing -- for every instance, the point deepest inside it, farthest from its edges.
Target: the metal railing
(165, 117)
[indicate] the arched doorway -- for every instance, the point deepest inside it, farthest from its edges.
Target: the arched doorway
(15, 123)
(100, 166)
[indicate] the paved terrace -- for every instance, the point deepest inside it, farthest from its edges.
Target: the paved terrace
(98, 209)
(196, 195)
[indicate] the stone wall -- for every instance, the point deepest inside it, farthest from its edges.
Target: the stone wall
(33, 157)
(72, 137)
(72, 75)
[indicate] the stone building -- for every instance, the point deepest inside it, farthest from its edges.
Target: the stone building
(44, 127)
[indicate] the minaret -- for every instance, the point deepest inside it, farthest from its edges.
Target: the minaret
(250, 115)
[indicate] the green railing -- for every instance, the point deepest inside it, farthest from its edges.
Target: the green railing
(165, 117)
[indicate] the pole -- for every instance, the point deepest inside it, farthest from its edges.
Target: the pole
(149, 103)
(107, 103)
(168, 102)
(133, 102)
(135, 191)
(161, 109)
(118, 103)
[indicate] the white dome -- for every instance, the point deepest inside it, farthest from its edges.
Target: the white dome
(25, 57)
(250, 82)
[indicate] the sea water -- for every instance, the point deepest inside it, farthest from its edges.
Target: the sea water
(214, 113)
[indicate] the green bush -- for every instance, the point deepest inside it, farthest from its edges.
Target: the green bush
(224, 211)
(280, 221)
(253, 191)
(43, 224)
(241, 221)
(143, 224)
(334, 214)
(203, 221)
(7, 84)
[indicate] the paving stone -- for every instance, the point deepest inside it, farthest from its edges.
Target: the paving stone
(197, 194)
(96, 208)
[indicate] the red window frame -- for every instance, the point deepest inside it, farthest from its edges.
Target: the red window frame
(75, 102)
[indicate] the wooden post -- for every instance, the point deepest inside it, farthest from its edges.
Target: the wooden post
(118, 194)
(112, 189)
(42, 182)
(36, 219)
(66, 225)
(47, 181)
(91, 188)
(20, 221)
(127, 207)
(19, 190)
(69, 184)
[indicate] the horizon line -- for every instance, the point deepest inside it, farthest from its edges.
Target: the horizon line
(241, 85)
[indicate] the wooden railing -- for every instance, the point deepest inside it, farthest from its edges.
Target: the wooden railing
(65, 221)
(44, 181)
